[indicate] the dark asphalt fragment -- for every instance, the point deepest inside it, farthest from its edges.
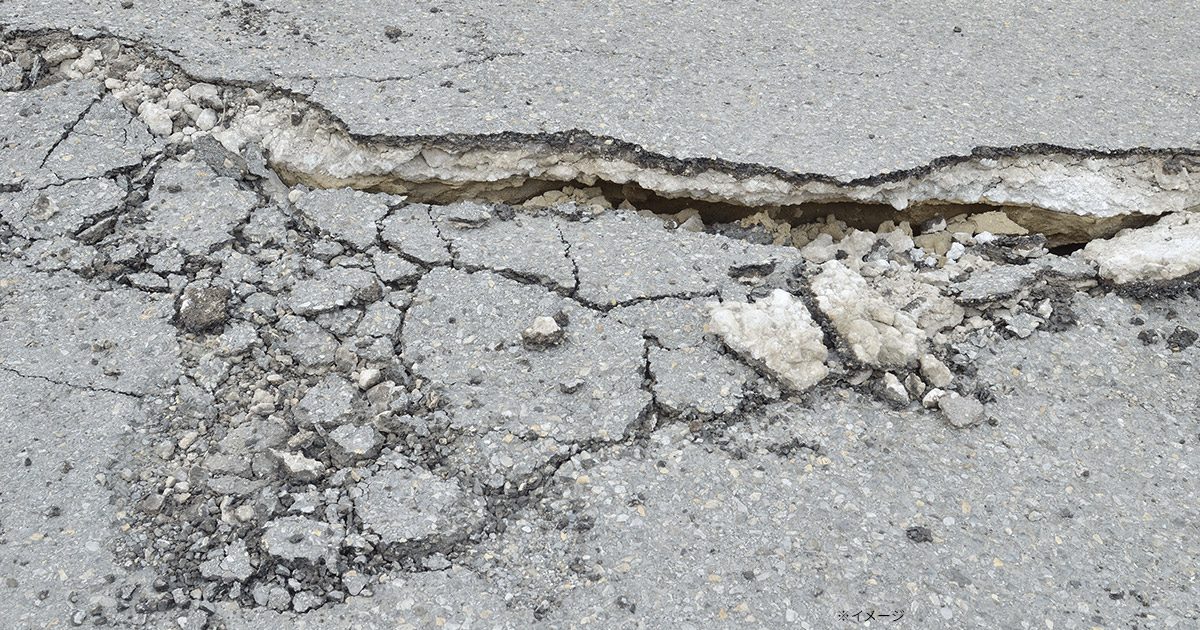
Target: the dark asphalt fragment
(919, 534)
(203, 308)
(1181, 339)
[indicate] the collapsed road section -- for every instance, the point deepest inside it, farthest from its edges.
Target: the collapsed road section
(323, 369)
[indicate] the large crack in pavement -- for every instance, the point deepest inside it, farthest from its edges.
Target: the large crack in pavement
(363, 357)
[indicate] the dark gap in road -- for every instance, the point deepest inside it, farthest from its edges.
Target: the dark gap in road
(1062, 230)
(1066, 250)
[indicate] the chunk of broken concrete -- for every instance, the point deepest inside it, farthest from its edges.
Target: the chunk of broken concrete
(543, 332)
(1166, 250)
(776, 333)
(299, 467)
(878, 334)
(930, 401)
(935, 372)
(961, 411)
(893, 391)
(915, 386)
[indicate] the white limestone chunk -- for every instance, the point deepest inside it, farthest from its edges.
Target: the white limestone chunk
(776, 333)
(156, 117)
(1166, 250)
(878, 334)
(935, 371)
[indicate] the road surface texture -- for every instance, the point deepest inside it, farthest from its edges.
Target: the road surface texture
(634, 315)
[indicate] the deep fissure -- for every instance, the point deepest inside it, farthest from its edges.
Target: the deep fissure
(1042, 188)
(1064, 232)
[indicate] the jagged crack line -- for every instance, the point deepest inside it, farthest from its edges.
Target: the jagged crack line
(88, 388)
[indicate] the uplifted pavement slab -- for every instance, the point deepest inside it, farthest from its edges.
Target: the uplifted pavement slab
(848, 90)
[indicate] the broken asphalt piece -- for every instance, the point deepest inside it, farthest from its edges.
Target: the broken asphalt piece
(961, 411)
(345, 214)
(204, 308)
(405, 505)
(299, 467)
(299, 538)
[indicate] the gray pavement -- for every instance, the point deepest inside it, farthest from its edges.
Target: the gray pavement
(524, 381)
(849, 89)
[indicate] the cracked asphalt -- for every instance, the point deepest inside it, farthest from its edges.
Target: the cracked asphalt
(226, 402)
(844, 89)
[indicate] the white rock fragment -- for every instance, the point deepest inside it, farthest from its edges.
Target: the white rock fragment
(188, 440)
(693, 224)
(898, 240)
(176, 99)
(369, 378)
(206, 120)
(983, 238)
(300, 467)
(156, 117)
(207, 95)
(776, 332)
(1166, 250)
(857, 244)
(59, 53)
(821, 249)
(893, 391)
(878, 334)
(932, 397)
(935, 372)
(86, 62)
(544, 331)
